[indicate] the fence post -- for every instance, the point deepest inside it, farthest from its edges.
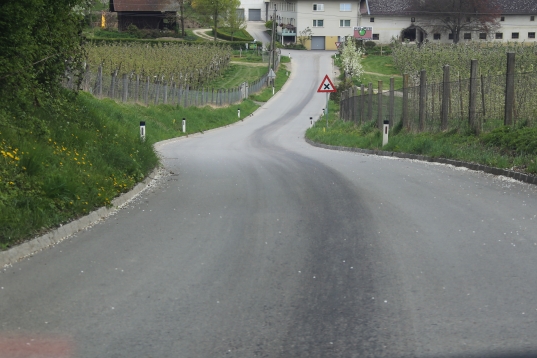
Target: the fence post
(100, 81)
(509, 89)
(446, 90)
(146, 94)
(362, 103)
(370, 103)
(379, 108)
(483, 97)
(137, 89)
(165, 92)
(113, 85)
(472, 120)
(157, 92)
(391, 110)
(405, 101)
(423, 96)
(125, 88)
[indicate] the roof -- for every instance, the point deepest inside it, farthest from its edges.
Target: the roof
(145, 5)
(400, 7)
(518, 6)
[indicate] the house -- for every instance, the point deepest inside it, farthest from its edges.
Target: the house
(154, 14)
(383, 20)
(254, 10)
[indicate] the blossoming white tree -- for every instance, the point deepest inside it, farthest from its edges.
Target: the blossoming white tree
(350, 58)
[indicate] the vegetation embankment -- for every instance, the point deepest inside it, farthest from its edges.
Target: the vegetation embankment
(503, 147)
(85, 151)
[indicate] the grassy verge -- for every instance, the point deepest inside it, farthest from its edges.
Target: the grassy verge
(505, 147)
(281, 77)
(237, 74)
(80, 153)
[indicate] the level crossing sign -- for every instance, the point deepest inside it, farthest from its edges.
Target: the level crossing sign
(326, 86)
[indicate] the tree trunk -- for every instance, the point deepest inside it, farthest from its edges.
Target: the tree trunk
(215, 23)
(182, 11)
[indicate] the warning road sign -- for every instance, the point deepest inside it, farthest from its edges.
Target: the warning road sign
(326, 85)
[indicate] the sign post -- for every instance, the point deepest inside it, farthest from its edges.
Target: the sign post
(326, 87)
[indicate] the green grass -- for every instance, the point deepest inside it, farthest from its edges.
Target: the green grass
(505, 147)
(266, 94)
(383, 69)
(80, 154)
(237, 74)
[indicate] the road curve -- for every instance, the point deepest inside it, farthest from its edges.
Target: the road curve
(260, 245)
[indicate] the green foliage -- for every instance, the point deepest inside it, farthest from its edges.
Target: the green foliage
(215, 10)
(195, 65)
(513, 140)
(266, 94)
(432, 57)
(268, 24)
(39, 39)
(88, 153)
(230, 34)
(505, 147)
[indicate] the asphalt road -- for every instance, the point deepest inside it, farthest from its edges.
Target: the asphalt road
(260, 245)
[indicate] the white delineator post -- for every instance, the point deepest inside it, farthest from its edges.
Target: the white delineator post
(385, 130)
(184, 125)
(142, 130)
(311, 122)
(239, 112)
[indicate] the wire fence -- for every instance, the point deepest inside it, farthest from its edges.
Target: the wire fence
(134, 88)
(479, 103)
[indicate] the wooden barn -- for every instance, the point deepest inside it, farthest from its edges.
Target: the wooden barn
(145, 14)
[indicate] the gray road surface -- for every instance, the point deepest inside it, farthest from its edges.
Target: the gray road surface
(260, 245)
(258, 31)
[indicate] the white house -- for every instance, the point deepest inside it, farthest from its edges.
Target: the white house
(384, 20)
(254, 10)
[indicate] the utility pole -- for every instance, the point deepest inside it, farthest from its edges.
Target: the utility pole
(273, 35)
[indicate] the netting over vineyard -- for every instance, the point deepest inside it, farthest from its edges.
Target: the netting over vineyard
(193, 65)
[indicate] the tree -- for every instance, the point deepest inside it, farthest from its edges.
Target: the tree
(235, 21)
(214, 9)
(456, 16)
(350, 58)
(304, 36)
(39, 39)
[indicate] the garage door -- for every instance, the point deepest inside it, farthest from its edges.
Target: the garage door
(240, 14)
(317, 42)
(254, 14)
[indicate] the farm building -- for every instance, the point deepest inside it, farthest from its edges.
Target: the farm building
(154, 14)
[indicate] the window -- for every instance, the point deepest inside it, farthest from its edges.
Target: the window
(450, 36)
(482, 35)
(371, 19)
(344, 23)
(531, 35)
(532, 18)
(376, 37)
(467, 35)
(514, 35)
(502, 18)
(499, 35)
(318, 23)
(318, 7)
(344, 7)
(436, 36)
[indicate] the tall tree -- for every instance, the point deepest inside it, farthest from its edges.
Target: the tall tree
(39, 39)
(456, 16)
(215, 9)
(235, 21)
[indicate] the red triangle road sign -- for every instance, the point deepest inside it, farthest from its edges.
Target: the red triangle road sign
(327, 85)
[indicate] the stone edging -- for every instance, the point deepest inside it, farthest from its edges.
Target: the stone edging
(530, 179)
(57, 235)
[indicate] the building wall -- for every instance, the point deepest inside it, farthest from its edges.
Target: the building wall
(253, 4)
(385, 27)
